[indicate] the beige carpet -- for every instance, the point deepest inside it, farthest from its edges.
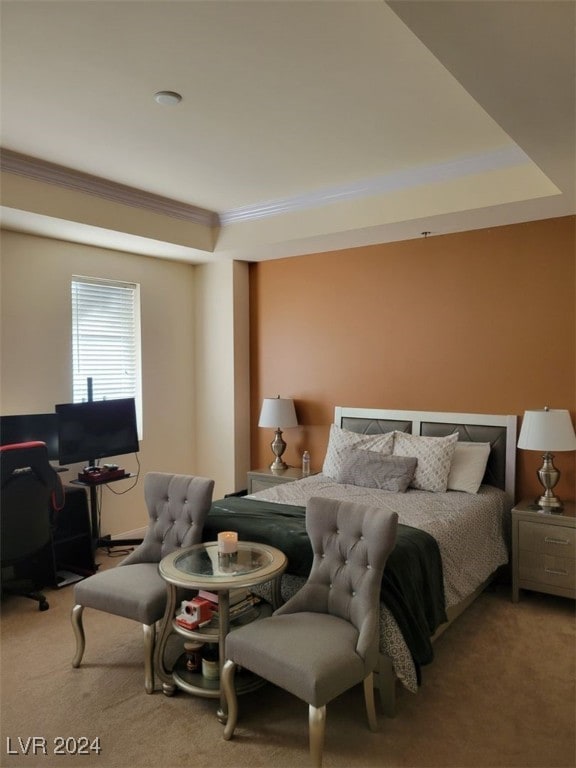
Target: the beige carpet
(501, 692)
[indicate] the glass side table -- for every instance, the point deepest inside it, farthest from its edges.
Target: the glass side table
(203, 567)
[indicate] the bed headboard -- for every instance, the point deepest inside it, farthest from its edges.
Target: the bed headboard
(499, 431)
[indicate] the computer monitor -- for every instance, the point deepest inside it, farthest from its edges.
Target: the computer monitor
(23, 428)
(97, 429)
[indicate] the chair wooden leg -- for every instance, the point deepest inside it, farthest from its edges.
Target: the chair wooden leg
(229, 690)
(317, 727)
(78, 628)
(149, 646)
(369, 699)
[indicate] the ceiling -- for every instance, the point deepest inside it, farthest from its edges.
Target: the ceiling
(303, 126)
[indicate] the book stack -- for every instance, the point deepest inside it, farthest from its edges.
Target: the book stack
(241, 602)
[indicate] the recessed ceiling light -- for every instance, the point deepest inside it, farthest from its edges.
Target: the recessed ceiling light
(167, 97)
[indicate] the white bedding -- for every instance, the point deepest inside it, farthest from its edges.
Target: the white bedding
(469, 529)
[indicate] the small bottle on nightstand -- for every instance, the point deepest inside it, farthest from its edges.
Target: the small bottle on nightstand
(306, 463)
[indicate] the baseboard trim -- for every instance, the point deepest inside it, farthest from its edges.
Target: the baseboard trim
(137, 533)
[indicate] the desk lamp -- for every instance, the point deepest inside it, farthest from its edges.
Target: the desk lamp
(547, 430)
(278, 412)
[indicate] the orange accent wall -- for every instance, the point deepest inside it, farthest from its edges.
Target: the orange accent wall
(481, 321)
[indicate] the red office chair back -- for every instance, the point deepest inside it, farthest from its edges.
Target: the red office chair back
(31, 489)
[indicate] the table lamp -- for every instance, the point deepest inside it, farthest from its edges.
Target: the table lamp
(278, 412)
(547, 430)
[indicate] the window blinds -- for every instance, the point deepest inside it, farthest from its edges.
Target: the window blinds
(106, 339)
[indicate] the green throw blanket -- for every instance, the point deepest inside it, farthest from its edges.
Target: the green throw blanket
(412, 586)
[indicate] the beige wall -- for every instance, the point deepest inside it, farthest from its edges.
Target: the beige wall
(222, 373)
(35, 352)
(480, 322)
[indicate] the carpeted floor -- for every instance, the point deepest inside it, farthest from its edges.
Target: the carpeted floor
(500, 693)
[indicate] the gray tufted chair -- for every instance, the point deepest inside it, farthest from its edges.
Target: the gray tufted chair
(177, 506)
(324, 640)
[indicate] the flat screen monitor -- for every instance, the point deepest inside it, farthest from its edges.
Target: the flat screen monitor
(23, 428)
(97, 430)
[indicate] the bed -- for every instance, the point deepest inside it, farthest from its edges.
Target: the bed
(453, 536)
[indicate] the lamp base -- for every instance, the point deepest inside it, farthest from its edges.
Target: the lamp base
(278, 446)
(278, 465)
(550, 505)
(549, 476)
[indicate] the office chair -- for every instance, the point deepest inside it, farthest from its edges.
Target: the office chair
(324, 639)
(177, 507)
(30, 490)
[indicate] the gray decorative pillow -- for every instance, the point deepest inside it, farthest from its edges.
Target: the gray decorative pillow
(434, 456)
(341, 440)
(373, 470)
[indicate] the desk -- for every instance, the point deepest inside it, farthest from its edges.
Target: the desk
(201, 567)
(97, 541)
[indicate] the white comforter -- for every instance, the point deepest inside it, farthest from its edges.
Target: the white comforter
(469, 529)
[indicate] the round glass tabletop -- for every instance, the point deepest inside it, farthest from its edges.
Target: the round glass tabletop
(202, 565)
(207, 561)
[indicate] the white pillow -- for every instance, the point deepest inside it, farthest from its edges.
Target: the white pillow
(468, 466)
(340, 440)
(434, 456)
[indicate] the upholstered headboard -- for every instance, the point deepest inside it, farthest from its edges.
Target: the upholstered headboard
(499, 431)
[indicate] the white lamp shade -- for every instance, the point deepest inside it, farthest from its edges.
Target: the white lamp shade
(278, 412)
(547, 430)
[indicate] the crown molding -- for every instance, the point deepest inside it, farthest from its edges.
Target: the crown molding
(41, 170)
(505, 157)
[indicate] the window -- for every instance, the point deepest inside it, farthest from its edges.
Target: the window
(106, 340)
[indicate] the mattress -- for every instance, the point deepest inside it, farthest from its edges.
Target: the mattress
(470, 530)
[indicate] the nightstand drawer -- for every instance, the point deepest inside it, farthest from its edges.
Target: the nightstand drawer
(553, 540)
(545, 569)
(262, 479)
(543, 550)
(260, 484)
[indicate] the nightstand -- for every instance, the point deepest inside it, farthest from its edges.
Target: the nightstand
(260, 479)
(543, 550)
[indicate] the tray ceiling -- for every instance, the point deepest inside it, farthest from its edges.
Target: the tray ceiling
(303, 126)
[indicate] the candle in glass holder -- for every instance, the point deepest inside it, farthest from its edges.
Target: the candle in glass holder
(227, 542)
